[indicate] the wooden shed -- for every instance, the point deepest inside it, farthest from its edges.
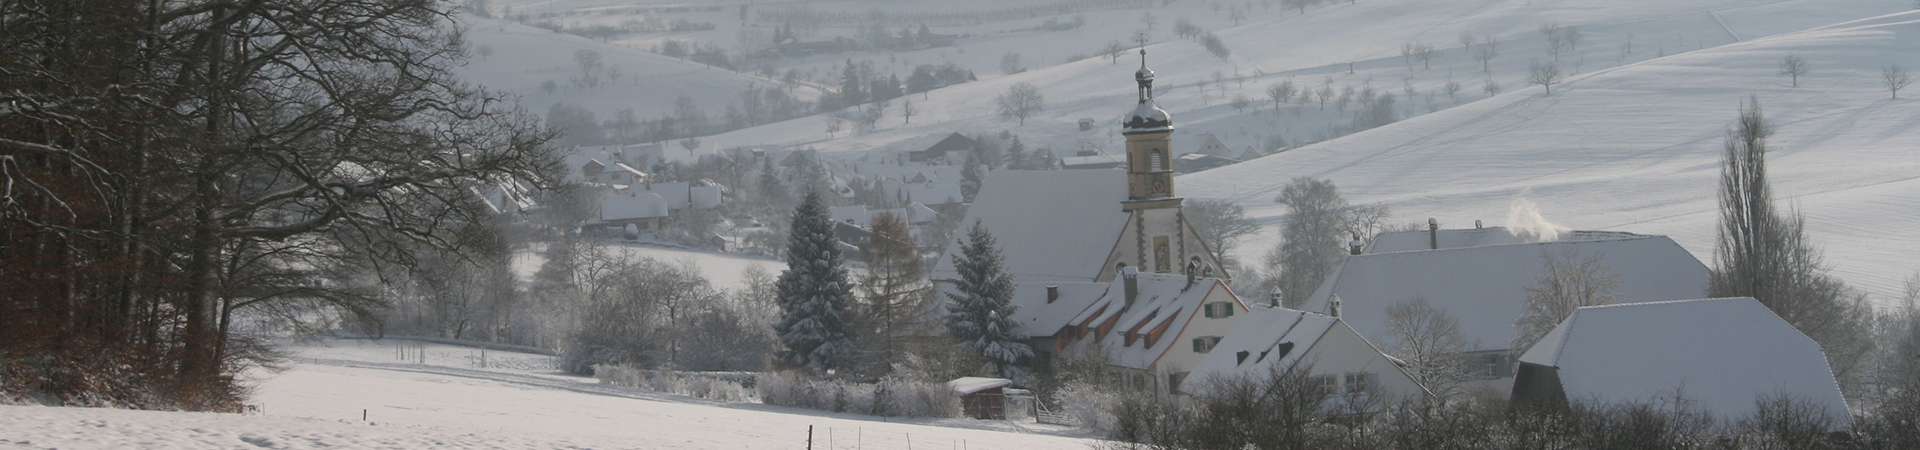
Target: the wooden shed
(982, 398)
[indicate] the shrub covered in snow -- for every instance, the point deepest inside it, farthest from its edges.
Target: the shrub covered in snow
(891, 397)
(723, 386)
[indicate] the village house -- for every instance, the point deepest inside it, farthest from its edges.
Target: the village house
(1722, 356)
(1485, 287)
(949, 150)
(1271, 340)
(1150, 328)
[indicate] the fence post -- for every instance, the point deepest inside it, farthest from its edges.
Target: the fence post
(809, 437)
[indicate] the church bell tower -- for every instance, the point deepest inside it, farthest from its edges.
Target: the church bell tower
(1148, 130)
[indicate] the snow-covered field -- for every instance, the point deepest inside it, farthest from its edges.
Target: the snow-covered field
(1638, 149)
(450, 402)
(724, 270)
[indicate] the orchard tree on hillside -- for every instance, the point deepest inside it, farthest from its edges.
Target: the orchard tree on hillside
(1022, 100)
(1546, 75)
(815, 326)
(980, 315)
(1795, 67)
(1894, 78)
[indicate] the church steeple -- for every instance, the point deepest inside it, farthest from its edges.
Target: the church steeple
(1146, 117)
(1148, 130)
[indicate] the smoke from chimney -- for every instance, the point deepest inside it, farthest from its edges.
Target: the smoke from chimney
(1525, 221)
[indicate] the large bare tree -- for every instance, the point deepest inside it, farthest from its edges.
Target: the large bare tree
(216, 152)
(1566, 282)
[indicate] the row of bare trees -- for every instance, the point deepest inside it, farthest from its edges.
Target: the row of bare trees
(173, 166)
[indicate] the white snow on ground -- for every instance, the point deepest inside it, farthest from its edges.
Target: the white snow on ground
(1638, 149)
(448, 403)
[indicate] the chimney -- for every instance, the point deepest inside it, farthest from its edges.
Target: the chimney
(1353, 246)
(1131, 277)
(1275, 300)
(1333, 306)
(1476, 224)
(1053, 293)
(1433, 234)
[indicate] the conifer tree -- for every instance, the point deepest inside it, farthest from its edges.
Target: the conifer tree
(814, 293)
(980, 317)
(894, 288)
(971, 176)
(1017, 155)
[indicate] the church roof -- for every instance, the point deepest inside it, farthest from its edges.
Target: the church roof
(1052, 225)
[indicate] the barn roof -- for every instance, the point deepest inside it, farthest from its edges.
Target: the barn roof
(1722, 354)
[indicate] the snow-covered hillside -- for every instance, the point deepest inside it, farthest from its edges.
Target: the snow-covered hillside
(1637, 149)
(523, 58)
(451, 402)
(1315, 49)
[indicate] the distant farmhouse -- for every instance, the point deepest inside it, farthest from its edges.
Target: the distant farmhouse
(1722, 356)
(1485, 286)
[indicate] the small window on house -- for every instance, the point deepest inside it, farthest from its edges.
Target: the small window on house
(1219, 310)
(1358, 382)
(1326, 384)
(1205, 344)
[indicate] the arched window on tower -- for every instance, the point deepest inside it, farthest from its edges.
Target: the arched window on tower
(1156, 161)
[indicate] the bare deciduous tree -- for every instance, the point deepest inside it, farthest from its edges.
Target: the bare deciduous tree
(1219, 223)
(907, 110)
(1566, 282)
(1280, 93)
(1314, 236)
(1545, 75)
(1486, 53)
(1022, 100)
(1767, 255)
(1795, 67)
(1466, 39)
(1429, 341)
(1894, 78)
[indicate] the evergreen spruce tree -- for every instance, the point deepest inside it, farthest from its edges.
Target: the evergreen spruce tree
(971, 176)
(980, 317)
(851, 92)
(815, 330)
(771, 189)
(1017, 155)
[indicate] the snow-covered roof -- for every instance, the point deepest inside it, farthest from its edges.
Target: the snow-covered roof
(1053, 225)
(1400, 241)
(1147, 118)
(1090, 161)
(969, 385)
(907, 172)
(933, 193)
(1040, 318)
(1272, 337)
(1485, 287)
(1722, 354)
(854, 214)
(1160, 299)
(634, 205)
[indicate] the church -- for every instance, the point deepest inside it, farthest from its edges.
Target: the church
(1105, 260)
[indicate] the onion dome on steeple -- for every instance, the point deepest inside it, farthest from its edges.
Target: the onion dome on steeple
(1146, 117)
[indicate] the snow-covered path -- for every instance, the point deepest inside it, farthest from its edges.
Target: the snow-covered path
(449, 403)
